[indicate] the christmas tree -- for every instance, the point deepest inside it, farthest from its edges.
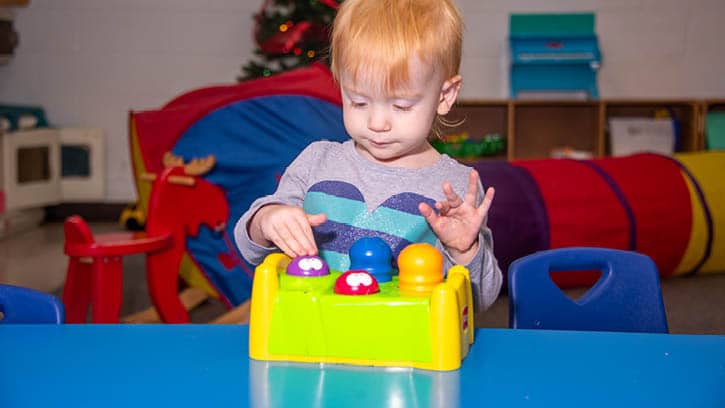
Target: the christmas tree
(290, 34)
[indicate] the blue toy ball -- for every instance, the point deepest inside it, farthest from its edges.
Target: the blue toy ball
(374, 256)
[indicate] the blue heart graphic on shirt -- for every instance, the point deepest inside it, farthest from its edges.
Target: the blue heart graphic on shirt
(397, 220)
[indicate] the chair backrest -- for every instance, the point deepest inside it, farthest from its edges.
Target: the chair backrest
(23, 305)
(627, 297)
(77, 231)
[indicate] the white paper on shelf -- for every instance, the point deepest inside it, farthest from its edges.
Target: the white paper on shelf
(636, 135)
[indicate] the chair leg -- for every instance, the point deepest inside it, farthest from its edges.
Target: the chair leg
(77, 290)
(107, 289)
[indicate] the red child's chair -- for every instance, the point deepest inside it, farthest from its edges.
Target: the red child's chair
(95, 269)
(178, 204)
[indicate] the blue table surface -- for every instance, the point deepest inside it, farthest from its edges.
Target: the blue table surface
(208, 365)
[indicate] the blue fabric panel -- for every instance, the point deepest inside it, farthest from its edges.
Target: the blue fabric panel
(253, 141)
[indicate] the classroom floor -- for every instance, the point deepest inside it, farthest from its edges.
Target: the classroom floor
(35, 259)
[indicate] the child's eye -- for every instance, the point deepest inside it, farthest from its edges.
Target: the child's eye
(404, 108)
(358, 105)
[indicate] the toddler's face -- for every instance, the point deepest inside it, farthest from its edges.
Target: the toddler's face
(393, 129)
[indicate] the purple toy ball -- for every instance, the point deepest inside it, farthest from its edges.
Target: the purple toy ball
(308, 266)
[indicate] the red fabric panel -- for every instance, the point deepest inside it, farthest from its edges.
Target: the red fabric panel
(660, 201)
(158, 130)
(582, 209)
(315, 80)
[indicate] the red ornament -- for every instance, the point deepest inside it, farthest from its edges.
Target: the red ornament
(330, 3)
(284, 41)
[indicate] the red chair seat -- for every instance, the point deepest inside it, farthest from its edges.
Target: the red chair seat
(119, 244)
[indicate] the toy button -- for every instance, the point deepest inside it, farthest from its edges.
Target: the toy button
(308, 266)
(374, 256)
(421, 269)
(356, 283)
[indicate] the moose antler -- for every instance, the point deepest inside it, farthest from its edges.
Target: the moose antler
(195, 167)
(172, 160)
(200, 166)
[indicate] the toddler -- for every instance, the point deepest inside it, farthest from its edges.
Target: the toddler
(396, 62)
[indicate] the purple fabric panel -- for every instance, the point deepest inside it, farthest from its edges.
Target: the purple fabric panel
(517, 217)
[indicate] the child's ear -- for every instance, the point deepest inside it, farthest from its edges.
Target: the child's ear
(449, 93)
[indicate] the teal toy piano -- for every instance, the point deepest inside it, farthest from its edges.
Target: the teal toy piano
(556, 55)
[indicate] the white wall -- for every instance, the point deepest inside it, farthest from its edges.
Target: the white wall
(650, 48)
(88, 62)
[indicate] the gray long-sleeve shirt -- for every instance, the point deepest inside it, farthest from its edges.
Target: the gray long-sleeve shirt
(362, 198)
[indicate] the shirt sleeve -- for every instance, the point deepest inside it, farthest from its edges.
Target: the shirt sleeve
(290, 191)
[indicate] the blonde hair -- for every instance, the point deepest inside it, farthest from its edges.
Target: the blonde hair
(373, 40)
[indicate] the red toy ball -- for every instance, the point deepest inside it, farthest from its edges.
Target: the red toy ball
(356, 282)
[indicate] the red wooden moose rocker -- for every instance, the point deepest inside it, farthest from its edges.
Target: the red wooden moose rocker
(179, 203)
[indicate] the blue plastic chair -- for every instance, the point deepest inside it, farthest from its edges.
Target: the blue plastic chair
(23, 305)
(626, 298)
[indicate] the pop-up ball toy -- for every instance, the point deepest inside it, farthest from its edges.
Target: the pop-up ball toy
(302, 311)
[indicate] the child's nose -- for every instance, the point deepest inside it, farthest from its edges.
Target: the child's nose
(378, 121)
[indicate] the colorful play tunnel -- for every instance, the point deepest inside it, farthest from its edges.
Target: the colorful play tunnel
(671, 209)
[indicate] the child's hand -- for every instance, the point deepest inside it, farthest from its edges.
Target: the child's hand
(459, 220)
(288, 227)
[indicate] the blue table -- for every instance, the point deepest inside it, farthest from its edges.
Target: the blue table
(207, 366)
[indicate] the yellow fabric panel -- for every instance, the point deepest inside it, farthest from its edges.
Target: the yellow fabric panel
(193, 277)
(708, 169)
(698, 235)
(143, 187)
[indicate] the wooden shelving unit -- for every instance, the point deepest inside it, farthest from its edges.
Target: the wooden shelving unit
(13, 3)
(541, 126)
(533, 129)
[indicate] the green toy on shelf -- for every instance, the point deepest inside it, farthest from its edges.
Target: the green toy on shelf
(463, 146)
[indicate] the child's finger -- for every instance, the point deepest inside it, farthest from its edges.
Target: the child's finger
(304, 236)
(487, 201)
(453, 199)
(316, 219)
(295, 239)
(472, 190)
(287, 241)
(443, 207)
(277, 239)
(427, 212)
